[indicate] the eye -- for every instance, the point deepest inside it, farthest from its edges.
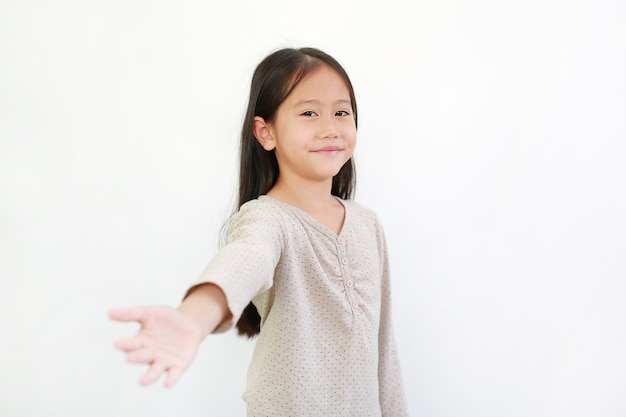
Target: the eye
(309, 113)
(342, 113)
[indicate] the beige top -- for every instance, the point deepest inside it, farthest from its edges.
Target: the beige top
(326, 346)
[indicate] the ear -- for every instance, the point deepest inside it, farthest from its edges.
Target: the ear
(263, 133)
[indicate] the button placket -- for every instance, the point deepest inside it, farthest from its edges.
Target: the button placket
(344, 262)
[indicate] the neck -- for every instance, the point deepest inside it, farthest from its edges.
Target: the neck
(311, 196)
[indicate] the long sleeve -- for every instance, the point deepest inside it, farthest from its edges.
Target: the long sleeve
(245, 267)
(391, 387)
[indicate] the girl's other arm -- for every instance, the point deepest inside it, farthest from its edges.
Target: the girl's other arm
(169, 338)
(391, 388)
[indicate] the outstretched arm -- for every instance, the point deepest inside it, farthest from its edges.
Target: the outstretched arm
(169, 338)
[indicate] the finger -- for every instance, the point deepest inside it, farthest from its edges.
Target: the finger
(154, 372)
(128, 345)
(128, 314)
(141, 356)
(173, 375)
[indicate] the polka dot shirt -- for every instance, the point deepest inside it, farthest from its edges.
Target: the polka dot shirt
(326, 346)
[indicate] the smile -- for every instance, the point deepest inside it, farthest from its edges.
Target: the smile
(329, 149)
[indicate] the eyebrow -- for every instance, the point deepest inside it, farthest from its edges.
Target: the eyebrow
(340, 101)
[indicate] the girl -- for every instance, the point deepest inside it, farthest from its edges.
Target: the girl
(304, 267)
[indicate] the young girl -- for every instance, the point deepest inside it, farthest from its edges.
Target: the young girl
(304, 267)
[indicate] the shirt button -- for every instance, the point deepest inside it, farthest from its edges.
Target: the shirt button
(344, 261)
(349, 283)
(355, 304)
(340, 240)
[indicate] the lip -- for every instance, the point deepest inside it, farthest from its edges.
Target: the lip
(329, 149)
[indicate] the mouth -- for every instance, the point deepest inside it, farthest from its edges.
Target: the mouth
(329, 149)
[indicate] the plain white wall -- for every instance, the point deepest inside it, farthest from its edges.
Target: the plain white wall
(492, 142)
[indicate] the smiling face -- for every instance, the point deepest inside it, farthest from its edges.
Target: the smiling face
(314, 132)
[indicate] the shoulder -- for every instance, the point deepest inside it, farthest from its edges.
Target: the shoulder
(259, 206)
(361, 212)
(263, 206)
(257, 215)
(363, 220)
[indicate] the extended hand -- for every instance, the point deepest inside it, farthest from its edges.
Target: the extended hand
(167, 342)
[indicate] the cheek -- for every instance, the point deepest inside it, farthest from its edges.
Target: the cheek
(349, 130)
(351, 137)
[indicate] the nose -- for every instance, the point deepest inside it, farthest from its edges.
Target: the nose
(329, 128)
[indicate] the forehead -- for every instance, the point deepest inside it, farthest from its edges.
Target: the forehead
(323, 84)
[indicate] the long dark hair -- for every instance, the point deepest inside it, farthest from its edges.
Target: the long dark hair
(273, 80)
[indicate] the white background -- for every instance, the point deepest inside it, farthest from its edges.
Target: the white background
(492, 144)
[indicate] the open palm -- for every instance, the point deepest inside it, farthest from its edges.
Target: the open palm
(167, 342)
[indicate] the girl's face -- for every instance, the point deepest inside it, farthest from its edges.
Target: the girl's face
(314, 133)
